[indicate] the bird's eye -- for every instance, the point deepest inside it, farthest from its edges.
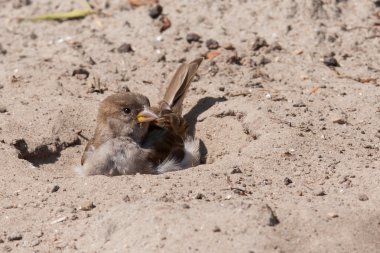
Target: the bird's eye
(126, 110)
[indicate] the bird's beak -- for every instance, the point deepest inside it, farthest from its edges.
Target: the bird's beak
(146, 116)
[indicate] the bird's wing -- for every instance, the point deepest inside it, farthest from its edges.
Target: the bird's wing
(179, 85)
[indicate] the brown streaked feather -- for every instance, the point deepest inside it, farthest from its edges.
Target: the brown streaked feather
(179, 85)
(167, 134)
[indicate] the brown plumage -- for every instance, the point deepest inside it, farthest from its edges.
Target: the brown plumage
(133, 137)
(167, 135)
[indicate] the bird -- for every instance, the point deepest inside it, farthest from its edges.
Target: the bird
(133, 137)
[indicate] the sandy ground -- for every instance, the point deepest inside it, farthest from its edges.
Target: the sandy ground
(293, 161)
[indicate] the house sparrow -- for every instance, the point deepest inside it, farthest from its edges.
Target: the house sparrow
(132, 137)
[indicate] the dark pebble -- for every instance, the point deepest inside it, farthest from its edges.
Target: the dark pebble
(212, 44)
(330, 61)
(193, 37)
(125, 48)
(216, 229)
(363, 197)
(80, 72)
(15, 237)
(320, 193)
(55, 188)
(33, 36)
(287, 181)
(2, 50)
(236, 170)
(259, 43)
(377, 3)
(156, 11)
(186, 206)
(199, 196)
(273, 220)
(300, 104)
(3, 109)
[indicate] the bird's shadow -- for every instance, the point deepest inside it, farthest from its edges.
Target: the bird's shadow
(192, 117)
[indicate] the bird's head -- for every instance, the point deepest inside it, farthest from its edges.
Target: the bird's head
(126, 114)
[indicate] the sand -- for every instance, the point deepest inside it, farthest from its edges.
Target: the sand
(292, 139)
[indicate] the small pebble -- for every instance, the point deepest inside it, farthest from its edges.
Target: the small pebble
(186, 206)
(330, 61)
(87, 206)
(332, 215)
(212, 44)
(192, 37)
(35, 242)
(287, 181)
(320, 193)
(125, 48)
(229, 46)
(236, 171)
(156, 11)
(33, 36)
(363, 197)
(126, 198)
(15, 237)
(1, 240)
(3, 109)
(53, 188)
(300, 104)
(216, 229)
(199, 196)
(259, 43)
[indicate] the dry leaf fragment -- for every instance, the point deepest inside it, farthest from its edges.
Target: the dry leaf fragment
(212, 54)
(166, 24)
(137, 3)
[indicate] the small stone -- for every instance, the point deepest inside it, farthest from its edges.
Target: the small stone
(236, 170)
(199, 196)
(259, 43)
(212, 44)
(1, 240)
(156, 11)
(264, 61)
(216, 229)
(287, 181)
(320, 193)
(363, 197)
(87, 206)
(1, 86)
(125, 48)
(299, 104)
(330, 61)
(35, 242)
(3, 51)
(192, 37)
(126, 198)
(167, 177)
(3, 109)
(186, 206)
(33, 36)
(332, 215)
(340, 121)
(273, 220)
(229, 46)
(53, 188)
(222, 88)
(15, 237)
